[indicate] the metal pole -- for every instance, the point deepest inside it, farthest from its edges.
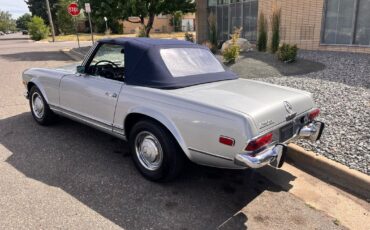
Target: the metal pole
(78, 38)
(91, 30)
(50, 20)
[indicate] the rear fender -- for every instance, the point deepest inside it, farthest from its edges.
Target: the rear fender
(164, 120)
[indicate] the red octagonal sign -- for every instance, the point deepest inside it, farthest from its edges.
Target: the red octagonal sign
(73, 9)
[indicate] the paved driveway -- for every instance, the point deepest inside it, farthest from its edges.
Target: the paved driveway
(70, 176)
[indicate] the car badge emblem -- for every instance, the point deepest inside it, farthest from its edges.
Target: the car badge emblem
(288, 107)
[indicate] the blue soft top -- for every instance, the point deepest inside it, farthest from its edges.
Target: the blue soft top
(144, 65)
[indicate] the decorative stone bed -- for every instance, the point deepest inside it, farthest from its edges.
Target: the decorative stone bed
(340, 85)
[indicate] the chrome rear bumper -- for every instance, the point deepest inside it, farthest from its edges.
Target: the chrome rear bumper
(275, 155)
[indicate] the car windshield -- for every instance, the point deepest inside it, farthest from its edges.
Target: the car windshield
(182, 62)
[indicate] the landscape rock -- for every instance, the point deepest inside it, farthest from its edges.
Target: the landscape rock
(243, 43)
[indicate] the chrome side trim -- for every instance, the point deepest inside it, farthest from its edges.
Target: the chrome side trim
(211, 154)
(119, 133)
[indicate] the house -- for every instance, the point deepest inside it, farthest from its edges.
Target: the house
(336, 25)
(162, 24)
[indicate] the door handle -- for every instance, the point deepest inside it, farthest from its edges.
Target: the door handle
(114, 95)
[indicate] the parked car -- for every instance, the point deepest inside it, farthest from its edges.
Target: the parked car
(173, 100)
(25, 32)
(2, 33)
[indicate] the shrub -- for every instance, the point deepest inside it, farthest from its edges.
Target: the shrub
(262, 33)
(141, 32)
(287, 53)
(210, 46)
(189, 37)
(37, 28)
(275, 23)
(231, 53)
(212, 29)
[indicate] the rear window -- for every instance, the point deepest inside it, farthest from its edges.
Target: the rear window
(182, 62)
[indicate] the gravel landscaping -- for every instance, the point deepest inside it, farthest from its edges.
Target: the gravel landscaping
(341, 90)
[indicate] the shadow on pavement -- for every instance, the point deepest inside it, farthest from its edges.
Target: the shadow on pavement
(37, 56)
(97, 170)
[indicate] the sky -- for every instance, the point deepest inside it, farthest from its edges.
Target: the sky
(15, 7)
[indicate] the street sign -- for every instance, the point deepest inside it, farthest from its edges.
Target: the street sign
(73, 9)
(87, 8)
(88, 11)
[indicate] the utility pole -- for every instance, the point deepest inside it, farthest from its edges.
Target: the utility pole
(50, 20)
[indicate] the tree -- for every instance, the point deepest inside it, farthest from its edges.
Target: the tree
(151, 8)
(105, 8)
(6, 21)
(64, 19)
(142, 9)
(22, 21)
(38, 8)
(37, 28)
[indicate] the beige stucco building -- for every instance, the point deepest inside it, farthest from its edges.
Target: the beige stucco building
(338, 25)
(162, 24)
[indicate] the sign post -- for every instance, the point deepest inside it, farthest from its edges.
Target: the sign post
(88, 11)
(74, 11)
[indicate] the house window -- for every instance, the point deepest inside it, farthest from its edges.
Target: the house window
(231, 14)
(347, 22)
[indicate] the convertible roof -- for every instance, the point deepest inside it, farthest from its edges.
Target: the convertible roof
(144, 65)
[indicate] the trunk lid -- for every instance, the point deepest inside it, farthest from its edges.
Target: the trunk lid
(268, 105)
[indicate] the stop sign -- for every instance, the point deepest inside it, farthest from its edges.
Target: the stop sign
(73, 9)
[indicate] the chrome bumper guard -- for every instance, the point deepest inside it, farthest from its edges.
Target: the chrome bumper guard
(312, 131)
(275, 156)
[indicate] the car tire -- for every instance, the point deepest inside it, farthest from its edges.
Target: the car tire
(155, 151)
(40, 109)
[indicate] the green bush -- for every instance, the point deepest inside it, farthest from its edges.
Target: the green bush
(262, 33)
(287, 53)
(212, 29)
(37, 28)
(189, 37)
(232, 52)
(141, 32)
(275, 22)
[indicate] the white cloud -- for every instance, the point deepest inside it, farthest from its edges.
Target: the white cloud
(15, 7)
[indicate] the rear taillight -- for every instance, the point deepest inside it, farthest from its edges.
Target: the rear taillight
(259, 142)
(313, 114)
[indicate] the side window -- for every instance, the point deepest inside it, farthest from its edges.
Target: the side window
(108, 62)
(111, 53)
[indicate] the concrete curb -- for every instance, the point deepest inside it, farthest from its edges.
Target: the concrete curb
(73, 54)
(330, 171)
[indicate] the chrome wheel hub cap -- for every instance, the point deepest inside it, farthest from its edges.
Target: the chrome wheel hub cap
(38, 106)
(148, 150)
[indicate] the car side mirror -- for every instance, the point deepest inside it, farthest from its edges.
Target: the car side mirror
(80, 69)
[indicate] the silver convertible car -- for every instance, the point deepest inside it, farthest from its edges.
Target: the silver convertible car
(172, 101)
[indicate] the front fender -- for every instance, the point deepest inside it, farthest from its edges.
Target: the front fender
(164, 120)
(38, 84)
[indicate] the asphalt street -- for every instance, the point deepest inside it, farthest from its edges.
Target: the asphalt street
(70, 176)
